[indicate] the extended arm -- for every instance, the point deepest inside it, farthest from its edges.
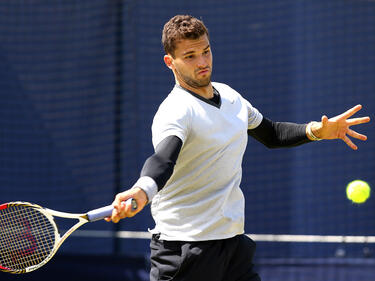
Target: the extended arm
(279, 134)
(284, 134)
(338, 127)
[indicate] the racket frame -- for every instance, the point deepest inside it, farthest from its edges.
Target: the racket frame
(49, 214)
(91, 216)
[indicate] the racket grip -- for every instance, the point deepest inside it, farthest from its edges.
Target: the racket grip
(104, 212)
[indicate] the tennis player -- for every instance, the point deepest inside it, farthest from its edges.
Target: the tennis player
(192, 181)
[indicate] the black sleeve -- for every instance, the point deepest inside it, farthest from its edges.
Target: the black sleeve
(279, 134)
(160, 165)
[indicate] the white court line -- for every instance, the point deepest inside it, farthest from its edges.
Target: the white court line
(255, 237)
(311, 238)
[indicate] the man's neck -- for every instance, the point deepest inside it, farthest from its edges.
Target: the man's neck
(206, 92)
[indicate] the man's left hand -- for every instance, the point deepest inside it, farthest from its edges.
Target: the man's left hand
(338, 127)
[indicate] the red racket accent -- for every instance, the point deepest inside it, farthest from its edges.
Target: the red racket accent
(28, 236)
(3, 206)
(4, 268)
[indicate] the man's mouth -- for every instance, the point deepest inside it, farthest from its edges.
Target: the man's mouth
(203, 71)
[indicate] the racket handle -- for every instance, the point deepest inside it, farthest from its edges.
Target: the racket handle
(104, 212)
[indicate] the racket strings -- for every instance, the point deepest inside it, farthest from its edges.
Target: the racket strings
(27, 237)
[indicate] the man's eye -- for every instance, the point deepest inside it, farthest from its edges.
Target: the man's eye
(189, 57)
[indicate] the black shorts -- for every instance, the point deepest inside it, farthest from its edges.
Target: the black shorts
(219, 260)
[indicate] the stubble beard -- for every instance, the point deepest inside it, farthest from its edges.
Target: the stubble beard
(195, 83)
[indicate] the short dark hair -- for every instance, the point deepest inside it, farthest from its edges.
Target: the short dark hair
(181, 27)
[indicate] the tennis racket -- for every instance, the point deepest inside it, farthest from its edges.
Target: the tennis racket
(29, 236)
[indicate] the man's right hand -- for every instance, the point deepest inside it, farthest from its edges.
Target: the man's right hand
(122, 210)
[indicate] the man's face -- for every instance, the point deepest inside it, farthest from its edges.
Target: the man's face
(192, 62)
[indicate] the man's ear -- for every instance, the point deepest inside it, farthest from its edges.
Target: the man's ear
(168, 60)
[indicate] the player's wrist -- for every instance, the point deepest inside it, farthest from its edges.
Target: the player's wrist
(148, 186)
(311, 131)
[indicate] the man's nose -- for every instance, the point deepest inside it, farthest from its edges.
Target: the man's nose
(202, 62)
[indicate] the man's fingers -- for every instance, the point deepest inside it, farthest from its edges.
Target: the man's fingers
(356, 135)
(120, 198)
(116, 215)
(350, 112)
(117, 212)
(324, 120)
(357, 121)
(349, 143)
(121, 209)
(128, 209)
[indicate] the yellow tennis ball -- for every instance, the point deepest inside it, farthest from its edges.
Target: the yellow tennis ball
(358, 191)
